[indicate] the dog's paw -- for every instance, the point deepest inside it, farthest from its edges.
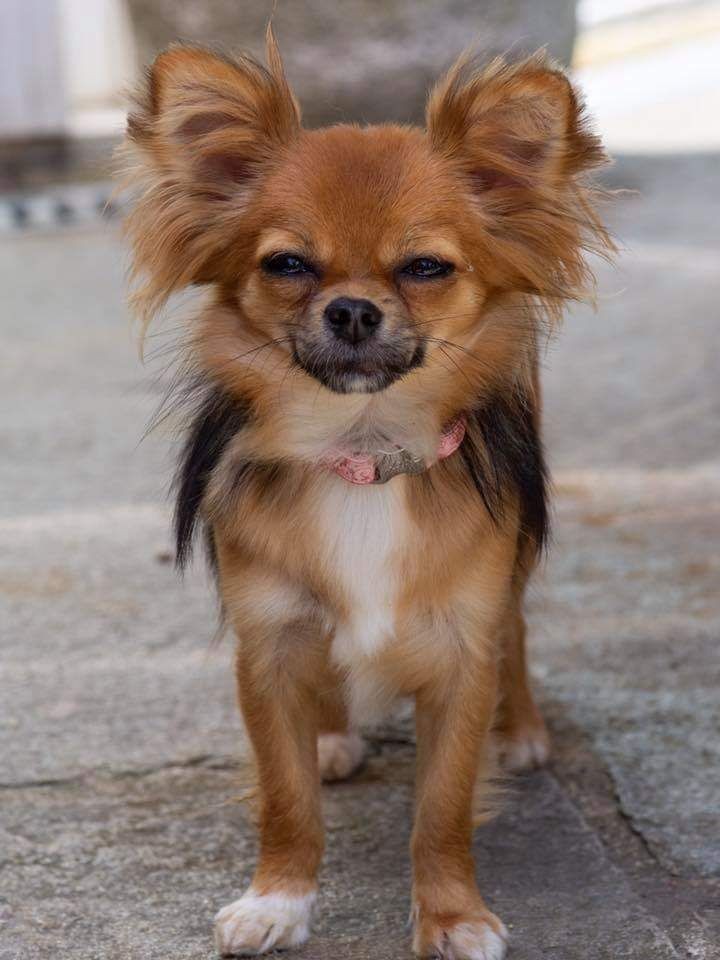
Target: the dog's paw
(339, 754)
(476, 938)
(257, 923)
(525, 748)
(472, 939)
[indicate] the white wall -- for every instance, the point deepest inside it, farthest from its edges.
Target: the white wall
(64, 66)
(98, 64)
(97, 51)
(32, 94)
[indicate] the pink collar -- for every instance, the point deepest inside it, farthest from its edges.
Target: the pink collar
(365, 468)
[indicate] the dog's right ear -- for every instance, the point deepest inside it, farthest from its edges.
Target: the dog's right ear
(203, 133)
(518, 136)
(217, 120)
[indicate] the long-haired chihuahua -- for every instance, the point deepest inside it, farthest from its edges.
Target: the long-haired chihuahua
(364, 457)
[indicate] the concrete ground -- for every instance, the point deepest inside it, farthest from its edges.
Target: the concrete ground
(120, 745)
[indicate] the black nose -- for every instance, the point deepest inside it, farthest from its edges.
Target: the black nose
(352, 320)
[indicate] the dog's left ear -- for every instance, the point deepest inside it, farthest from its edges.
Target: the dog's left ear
(517, 136)
(512, 125)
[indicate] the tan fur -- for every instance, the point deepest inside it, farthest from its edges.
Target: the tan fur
(345, 598)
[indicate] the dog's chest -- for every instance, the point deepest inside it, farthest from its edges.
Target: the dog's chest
(363, 533)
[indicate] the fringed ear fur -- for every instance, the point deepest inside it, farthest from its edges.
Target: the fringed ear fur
(203, 131)
(518, 135)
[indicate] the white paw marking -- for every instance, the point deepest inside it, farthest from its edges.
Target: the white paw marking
(339, 754)
(467, 940)
(475, 941)
(525, 750)
(257, 923)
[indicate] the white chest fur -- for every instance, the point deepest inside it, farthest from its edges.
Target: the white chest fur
(363, 530)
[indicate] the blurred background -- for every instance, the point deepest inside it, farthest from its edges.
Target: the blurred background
(119, 738)
(649, 68)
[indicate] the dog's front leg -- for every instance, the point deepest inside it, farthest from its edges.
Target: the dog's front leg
(453, 718)
(274, 664)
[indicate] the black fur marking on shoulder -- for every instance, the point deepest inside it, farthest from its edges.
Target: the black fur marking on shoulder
(217, 420)
(510, 458)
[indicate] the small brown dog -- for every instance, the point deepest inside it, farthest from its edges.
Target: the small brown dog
(378, 296)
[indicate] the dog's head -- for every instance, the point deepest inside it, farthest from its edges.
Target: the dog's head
(360, 255)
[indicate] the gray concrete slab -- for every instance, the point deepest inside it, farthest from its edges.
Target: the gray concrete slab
(118, 731)
(157, 855)
(631, 601)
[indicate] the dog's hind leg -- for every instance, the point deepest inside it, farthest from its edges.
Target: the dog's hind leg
(520, 729)
(341, 750)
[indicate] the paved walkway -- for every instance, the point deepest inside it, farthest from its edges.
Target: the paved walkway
(119, 739)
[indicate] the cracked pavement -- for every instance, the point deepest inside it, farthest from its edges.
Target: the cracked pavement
(121, 752)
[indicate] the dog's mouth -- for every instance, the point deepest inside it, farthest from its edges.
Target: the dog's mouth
(363, 368)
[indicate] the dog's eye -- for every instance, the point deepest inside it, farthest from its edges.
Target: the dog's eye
(286, 265)
(427, 268)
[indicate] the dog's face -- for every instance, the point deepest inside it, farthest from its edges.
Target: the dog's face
(361, 255)
(358, 263)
